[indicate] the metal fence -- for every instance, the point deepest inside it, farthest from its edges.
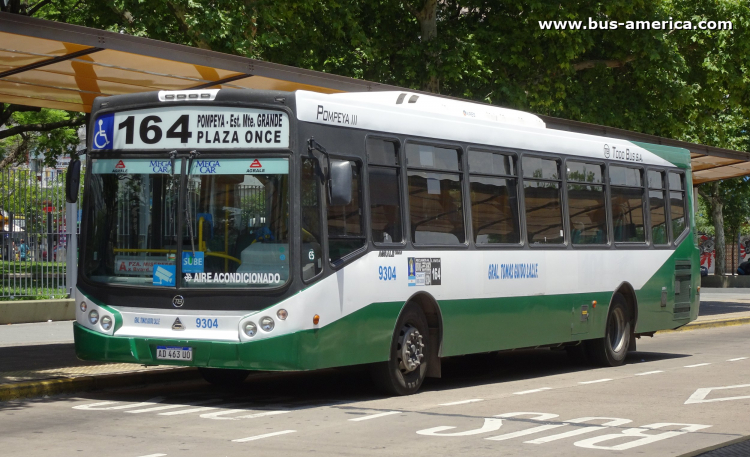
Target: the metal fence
(36, 225)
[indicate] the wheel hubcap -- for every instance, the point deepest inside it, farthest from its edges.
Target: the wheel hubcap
(616, 330)
(410, 349)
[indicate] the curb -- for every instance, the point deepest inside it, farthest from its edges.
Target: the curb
(30, 389)
(696, 325)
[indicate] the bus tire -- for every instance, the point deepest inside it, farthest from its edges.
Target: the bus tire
(406, 367)
(611, 350)
(224, 377)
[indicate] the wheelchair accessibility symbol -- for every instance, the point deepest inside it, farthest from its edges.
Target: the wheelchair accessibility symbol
(103, 132)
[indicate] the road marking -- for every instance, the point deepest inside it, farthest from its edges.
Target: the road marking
(699, 396)
(189, 411)
(98, 406)
(462, 402)
(697, 365)
(263, 414)
(375, 416)
(260, 437)
(649, 372)
(738, 358)
(154, 455)
(162, 408)
(532, 391)
(595, 381)
(529, 431)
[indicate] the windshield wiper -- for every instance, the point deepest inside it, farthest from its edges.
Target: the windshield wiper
(193, 155)
(172, 157)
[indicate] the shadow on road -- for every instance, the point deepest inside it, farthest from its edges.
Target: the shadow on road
(712, 308)
(340, 386)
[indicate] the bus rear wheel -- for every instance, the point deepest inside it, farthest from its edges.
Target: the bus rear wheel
(612, 349)
(224, 377)
(406, 368)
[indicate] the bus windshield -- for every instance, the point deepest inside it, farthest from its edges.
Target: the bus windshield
(234, 222)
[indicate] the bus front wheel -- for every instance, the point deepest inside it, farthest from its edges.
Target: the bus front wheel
(406, 368)
(612, 349)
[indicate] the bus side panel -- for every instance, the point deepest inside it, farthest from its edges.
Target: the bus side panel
(652, 316)
(363, 336)
(491, 324)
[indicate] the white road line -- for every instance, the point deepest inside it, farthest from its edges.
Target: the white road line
(375, 416)
(462, 402)
(697, 365)
(738, 358)
(595, 381)
(154, 455)
(532, 391)
(162, 408)
(260, 437)
(649, 372)
(189, 411)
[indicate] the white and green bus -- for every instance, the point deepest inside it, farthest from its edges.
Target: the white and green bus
(237, 230)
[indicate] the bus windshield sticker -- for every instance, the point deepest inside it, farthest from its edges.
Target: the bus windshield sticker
(267, 166)
(127, 265)
(192, 262)
(164, 275)
(424, 271)
(130, 166)
(233, 278)
(200, 127)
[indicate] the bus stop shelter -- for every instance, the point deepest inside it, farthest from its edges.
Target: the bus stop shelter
(54, 65)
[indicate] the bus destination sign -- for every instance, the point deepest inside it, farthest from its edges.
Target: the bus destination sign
(204, 127)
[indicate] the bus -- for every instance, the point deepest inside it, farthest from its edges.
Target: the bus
(246, 230)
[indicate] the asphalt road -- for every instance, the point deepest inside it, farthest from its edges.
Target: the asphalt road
(680, 392)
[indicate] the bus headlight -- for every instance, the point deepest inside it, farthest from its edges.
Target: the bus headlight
(267, 324)
(106, 322)
(83, 306)
(282, 314)
(93, 317)
(250, 329)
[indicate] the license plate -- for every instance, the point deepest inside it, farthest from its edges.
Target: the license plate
(174, 353)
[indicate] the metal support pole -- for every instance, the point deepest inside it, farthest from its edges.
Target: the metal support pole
(71, 257)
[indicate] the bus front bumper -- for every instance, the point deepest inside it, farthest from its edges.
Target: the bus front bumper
(273, 354)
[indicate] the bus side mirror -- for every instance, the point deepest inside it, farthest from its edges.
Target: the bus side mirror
(73, 181)
(340, 182)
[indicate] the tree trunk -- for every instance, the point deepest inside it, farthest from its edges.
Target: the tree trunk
(717, 216)
(427, 18)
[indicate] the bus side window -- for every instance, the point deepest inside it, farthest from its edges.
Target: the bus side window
(677, 203)
(345, 227)
(494, 198)
(627, 204)
(541, 186)
(311, 252)
(435, 196)
(586, 201)
(657, 208)
(385, 191)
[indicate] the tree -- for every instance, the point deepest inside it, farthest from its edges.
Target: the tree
(728, 202)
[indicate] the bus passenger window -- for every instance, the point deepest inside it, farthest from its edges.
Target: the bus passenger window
(494, 198)
(657, 207)
(544, 223)
(627, 204)
(345, 229)
(588, 215)
(435, 200)
(677, 203)
(385, 205)
(385, 195)
(311, 254)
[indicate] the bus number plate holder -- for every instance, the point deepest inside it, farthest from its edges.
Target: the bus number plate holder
(174, 353)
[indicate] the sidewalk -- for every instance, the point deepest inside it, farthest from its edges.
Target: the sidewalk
(39, 359)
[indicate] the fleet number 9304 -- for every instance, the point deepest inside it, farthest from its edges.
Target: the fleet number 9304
(206, 323)
(387, 273)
